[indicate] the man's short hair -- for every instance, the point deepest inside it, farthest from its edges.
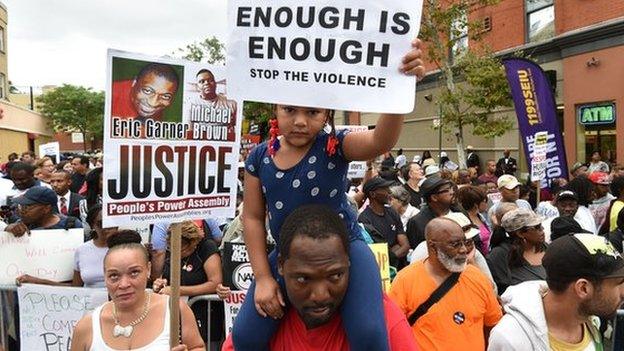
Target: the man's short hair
(576, 256)
(314, 221)
(203, 70)
(23, 166)
(63, 172)
(400, 193)
(30, 153)
(160, 70)
(84, 160)
(405, 171)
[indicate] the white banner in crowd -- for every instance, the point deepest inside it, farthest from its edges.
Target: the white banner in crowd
(171, 141)
(356, 168)
(233, 304)
(323, 53)
(47, 254)
(48, 314)
(538, 161)
(51, 149)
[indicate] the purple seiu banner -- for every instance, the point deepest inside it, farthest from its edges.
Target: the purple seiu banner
(536, 112)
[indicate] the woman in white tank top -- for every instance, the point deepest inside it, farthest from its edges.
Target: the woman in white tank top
(135, 319)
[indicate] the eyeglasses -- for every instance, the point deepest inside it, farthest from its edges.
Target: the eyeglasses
(449, 190)
(457, 244)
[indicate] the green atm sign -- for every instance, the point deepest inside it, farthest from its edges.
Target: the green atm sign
(594, 114)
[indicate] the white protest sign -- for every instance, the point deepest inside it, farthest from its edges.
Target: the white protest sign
(352, 128)
(323, 53)
(48, 314)
(356, 168)
(495, 197)
(176, 157)
(47, 254)
(51, 149)
(538, 160)
(233, 304)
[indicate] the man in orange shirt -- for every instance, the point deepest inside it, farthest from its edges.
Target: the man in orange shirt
(464, 315)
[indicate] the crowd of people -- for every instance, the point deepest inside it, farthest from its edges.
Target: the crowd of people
(477, 262)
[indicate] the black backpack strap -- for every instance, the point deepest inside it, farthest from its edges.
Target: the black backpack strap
(435, 296)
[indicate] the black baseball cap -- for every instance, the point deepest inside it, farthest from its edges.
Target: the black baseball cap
(431, 185)
(567, 194)
(562, 226)
(582, 256)
(376, 183)
(38, 195)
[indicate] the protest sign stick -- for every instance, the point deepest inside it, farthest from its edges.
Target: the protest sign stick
(174, 324)
(539, 190)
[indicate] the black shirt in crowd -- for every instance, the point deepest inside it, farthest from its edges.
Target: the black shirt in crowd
(389, 224)
(415, 198)
(616, 238)
(77, 181)
(194, 274)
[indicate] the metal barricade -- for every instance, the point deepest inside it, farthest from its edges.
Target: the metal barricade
(7, 295)
(210, 299)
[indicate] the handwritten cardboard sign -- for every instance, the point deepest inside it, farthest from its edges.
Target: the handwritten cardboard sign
(49, 314)
(47, 254)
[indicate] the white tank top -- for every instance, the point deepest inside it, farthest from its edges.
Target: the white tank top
(161, 343)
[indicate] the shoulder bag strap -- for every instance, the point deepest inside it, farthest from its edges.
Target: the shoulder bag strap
(435, 296)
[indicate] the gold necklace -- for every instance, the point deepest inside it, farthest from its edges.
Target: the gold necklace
(126, 331)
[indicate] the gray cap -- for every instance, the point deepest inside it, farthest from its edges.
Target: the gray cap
(519, 218)
(431, 185)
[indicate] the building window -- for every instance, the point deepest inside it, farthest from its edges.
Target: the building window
(2, 86)
(540, 20)
(459, 35)
(2, 39)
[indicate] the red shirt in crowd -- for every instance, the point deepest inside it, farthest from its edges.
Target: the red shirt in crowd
(293, 335)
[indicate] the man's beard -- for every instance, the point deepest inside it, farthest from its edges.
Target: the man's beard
(452, 264)
(599, 307)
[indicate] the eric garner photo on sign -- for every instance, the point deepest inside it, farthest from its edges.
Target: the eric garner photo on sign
(171, 141)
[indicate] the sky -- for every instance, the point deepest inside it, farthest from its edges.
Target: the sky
(51, 42)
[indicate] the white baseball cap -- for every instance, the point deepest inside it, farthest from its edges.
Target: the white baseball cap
(470, 230)
(508, 181)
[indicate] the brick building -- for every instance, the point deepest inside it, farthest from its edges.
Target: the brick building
(579, 43)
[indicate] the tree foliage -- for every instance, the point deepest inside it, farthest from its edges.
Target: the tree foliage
(472, 80)
(260, 112)
(73, 108)
(210, 50)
